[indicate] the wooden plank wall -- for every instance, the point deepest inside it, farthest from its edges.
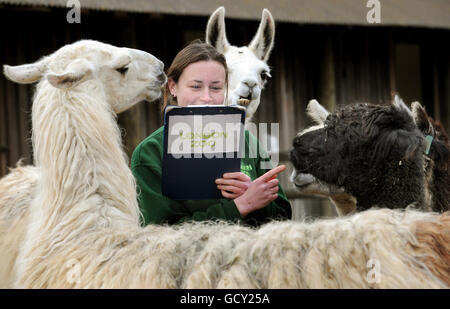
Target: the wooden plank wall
(336, 64)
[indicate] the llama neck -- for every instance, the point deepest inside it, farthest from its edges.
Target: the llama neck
(440, 189)
(78, 148)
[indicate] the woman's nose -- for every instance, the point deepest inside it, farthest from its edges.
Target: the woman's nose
(206, 96)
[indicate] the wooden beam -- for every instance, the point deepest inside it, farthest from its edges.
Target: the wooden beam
(327, 81)
(436, 96)
(392, 83)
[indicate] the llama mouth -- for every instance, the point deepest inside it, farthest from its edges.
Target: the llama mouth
(302, 180)
(301, 186)
(244, 101)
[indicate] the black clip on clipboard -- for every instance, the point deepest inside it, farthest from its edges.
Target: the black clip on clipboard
(192, 176)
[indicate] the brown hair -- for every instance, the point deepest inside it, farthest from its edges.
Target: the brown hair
(194, 52)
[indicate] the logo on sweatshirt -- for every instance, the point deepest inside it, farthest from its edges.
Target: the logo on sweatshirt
(246, 169)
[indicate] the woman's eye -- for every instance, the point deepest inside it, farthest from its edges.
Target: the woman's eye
(122, 70)
(196, 86)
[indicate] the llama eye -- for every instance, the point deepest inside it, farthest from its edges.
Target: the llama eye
(265, 75)
(122, 70)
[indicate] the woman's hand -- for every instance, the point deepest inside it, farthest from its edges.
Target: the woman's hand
(233, 185)
(260, 193)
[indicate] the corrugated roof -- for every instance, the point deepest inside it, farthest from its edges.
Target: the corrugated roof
(420, 13)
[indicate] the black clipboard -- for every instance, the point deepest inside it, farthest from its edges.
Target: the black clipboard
(189, 173)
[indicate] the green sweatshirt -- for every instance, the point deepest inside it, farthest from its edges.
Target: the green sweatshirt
(146, 165)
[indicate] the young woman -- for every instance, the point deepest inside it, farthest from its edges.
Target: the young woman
(198, 76)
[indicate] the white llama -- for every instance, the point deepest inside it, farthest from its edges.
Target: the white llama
(248, 69)
(75, 136)
(17, 190)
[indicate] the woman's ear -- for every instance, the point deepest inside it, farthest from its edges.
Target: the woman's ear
(172, 87)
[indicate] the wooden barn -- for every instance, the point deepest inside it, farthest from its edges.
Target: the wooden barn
(324, 49)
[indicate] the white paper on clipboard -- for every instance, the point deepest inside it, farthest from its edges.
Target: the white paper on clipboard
(207, 134)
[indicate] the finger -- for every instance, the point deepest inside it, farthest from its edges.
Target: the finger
(231, 189)
(237, 175)
(273, 191)
(270, 189)
(233, 182)
(228, 195)
(273, 172)
(273, 183)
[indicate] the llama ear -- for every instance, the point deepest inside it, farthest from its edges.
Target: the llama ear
(421, 118)
(26, 73)
(404, 142)
(392, 130)
(215, 30)
(317, 112)
(262, 43)
(76, 72)
(400, 105)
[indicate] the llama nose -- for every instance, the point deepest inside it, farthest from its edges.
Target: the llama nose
(250, 83)
(162, 78)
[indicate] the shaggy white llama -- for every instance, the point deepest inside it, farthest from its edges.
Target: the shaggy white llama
(17, 190)
(248, 69)
(84, 229)
(91, 82)
(372, 249)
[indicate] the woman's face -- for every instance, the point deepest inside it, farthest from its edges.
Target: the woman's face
(201, 83)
